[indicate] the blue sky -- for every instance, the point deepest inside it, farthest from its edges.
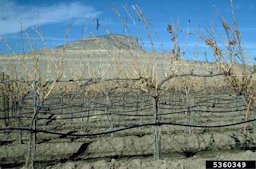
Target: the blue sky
(54, 18)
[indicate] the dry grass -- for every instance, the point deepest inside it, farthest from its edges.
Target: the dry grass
(63, 70)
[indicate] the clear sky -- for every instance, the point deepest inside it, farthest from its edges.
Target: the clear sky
(65, 20)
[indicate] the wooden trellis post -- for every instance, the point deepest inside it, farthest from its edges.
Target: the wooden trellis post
(157, 134)
(4, 99)
(110, 115)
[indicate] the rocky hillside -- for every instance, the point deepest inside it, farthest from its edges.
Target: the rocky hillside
(112, 41)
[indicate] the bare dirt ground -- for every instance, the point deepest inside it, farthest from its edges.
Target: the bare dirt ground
(195, 162)
(181, 147)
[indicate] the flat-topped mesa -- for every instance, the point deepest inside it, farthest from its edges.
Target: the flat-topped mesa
(106, 42)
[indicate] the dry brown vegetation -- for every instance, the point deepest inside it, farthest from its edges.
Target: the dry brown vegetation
(51, 93)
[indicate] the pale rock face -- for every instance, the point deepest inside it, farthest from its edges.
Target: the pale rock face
(107, 42)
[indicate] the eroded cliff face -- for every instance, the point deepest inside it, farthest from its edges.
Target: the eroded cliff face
(107, 42)
(112, 56)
